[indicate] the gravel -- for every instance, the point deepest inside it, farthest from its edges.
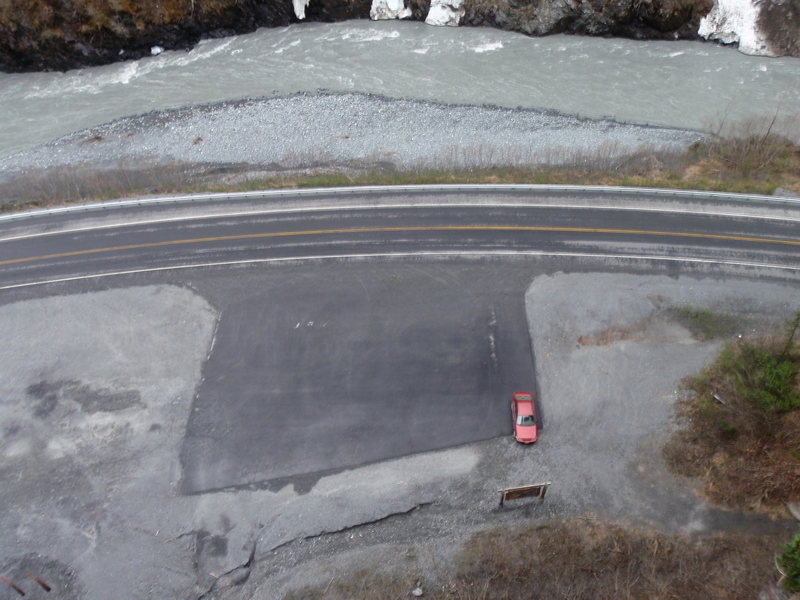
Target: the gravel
(90, 498)
(600, 440)
(90, 491)
(359, 130)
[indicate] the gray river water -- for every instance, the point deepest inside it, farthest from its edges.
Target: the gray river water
(678, 84)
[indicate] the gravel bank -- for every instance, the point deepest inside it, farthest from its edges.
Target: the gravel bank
(329, 130)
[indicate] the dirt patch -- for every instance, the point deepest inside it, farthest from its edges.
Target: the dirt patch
(679, 323)
(608, 336)
(656, 329)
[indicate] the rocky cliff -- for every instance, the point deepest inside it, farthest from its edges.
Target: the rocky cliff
(63, 34)
(659, 19)
(53, 35)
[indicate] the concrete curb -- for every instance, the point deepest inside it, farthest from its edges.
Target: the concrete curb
(408, 189)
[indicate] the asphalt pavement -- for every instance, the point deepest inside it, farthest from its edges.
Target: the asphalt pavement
(765, 235)
(327, 368)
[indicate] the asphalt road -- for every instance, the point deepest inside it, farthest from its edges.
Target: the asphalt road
(334, 364)
(446, 228)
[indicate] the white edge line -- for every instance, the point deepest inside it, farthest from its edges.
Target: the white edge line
(356, 207)
(394, 189)
(476, 253)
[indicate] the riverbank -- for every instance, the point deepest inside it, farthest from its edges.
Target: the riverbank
(324, 140)
(327, 131)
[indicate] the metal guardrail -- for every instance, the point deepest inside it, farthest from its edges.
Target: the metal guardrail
(409, 189)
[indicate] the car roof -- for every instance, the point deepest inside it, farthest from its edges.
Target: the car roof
(525, 408)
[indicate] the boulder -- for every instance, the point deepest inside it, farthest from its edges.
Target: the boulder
(445, 12)
(389, 9)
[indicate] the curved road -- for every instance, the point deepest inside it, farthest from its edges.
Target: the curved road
(760, 234)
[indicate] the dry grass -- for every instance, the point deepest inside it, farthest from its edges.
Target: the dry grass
(751, 150)
(67, 185)
(740, 421)
(580, 559)
(750, 158)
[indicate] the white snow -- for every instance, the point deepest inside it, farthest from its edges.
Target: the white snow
(156, 50)
(445, 12)
(732, 21)
(300, 8)
(388, 9)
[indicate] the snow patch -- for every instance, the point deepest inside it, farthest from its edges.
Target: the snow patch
(300, 8)
(736, 21)
(389, 9)
(445, 12)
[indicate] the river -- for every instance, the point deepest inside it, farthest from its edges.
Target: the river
(678, 84)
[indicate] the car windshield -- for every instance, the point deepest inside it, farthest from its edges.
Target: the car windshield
(525, 420)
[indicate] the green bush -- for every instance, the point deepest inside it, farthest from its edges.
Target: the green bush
(789, 562)
(762, 375)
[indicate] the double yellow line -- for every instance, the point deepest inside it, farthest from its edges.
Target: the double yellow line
(313, 232)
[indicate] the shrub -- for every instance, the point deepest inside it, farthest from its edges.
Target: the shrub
(575, 559)
(740, 421)
(789, 562)
(762, 375)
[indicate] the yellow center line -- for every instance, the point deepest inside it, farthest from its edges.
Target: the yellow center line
(311, 232)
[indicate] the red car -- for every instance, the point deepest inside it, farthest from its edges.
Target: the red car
(523, 414)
